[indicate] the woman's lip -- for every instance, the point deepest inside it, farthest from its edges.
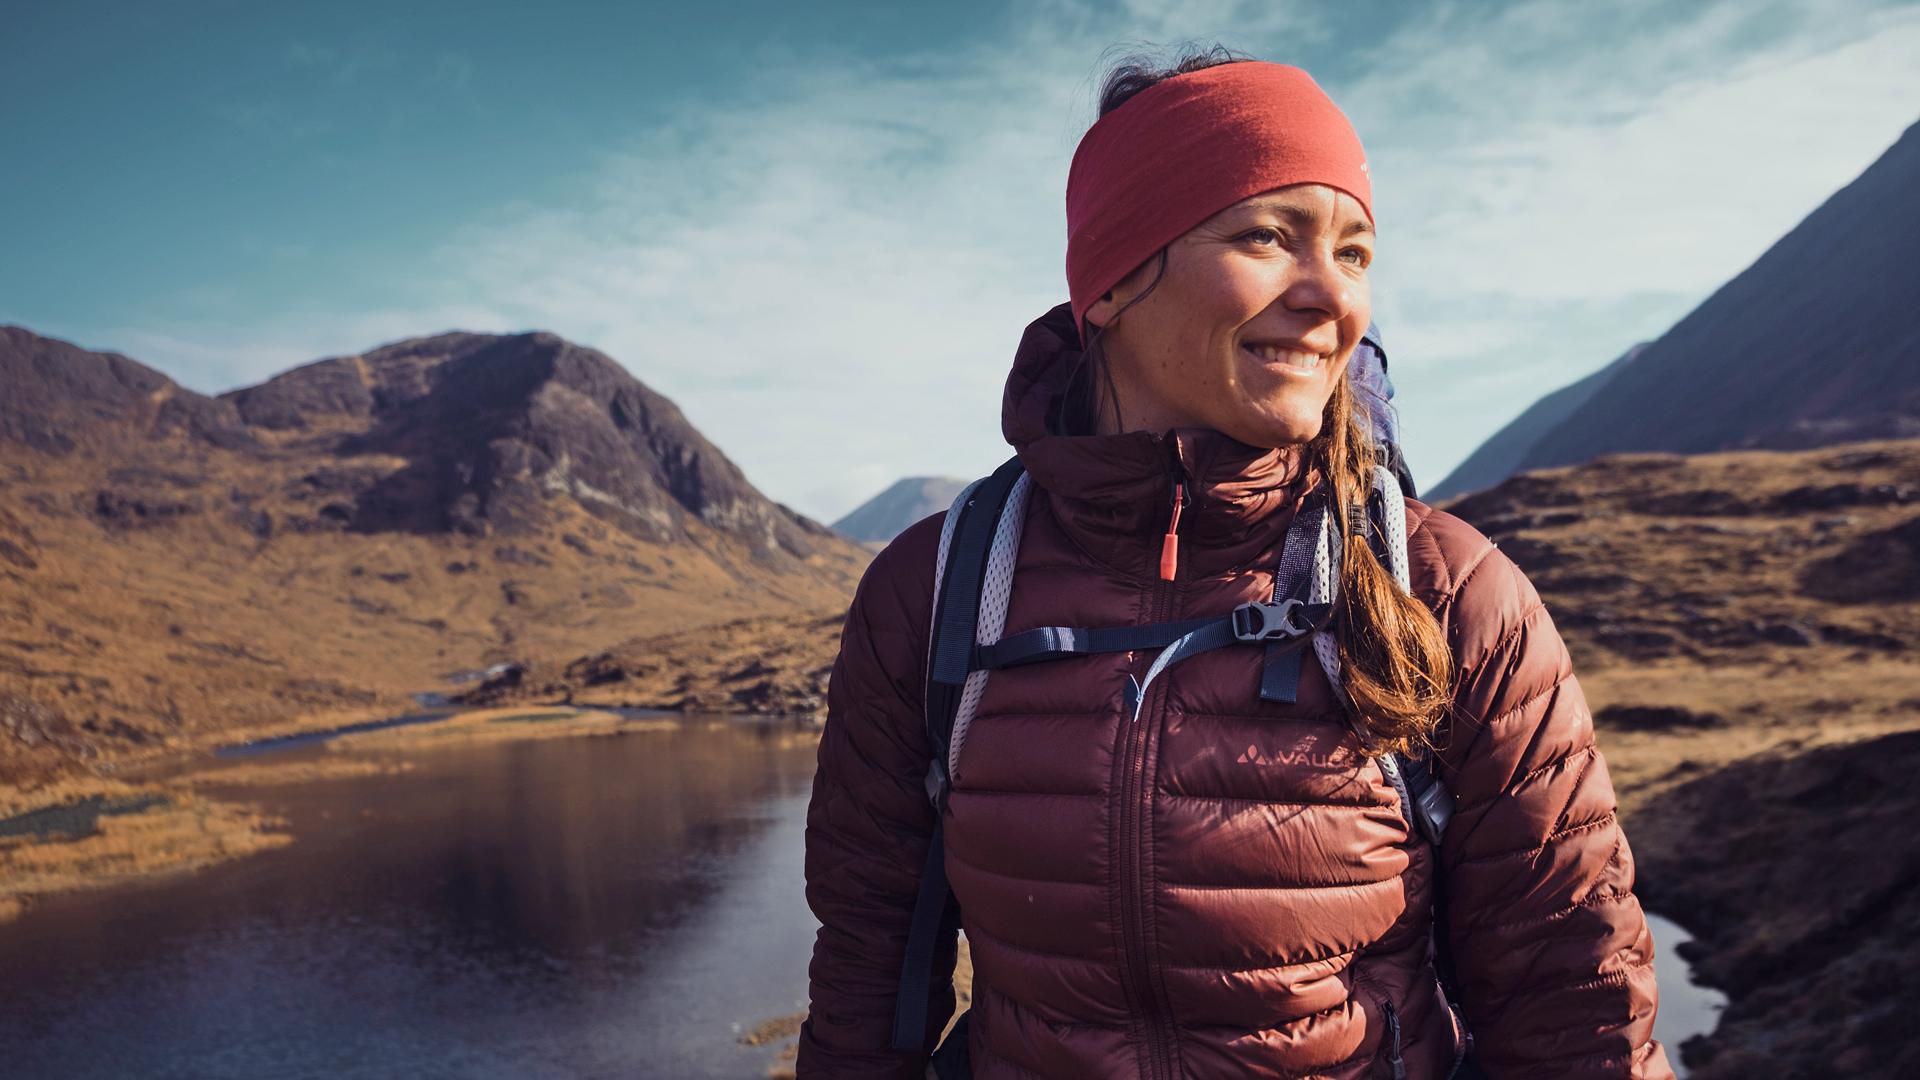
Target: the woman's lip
(1287, 366)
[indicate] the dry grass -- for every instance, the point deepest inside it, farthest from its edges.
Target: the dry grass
(182, 833)
(273, 774)
(771, 664)
(185, 830)
(1747, 629)
(121, 644)
(498, 725)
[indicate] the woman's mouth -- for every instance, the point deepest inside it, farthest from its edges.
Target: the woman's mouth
(1286, 358)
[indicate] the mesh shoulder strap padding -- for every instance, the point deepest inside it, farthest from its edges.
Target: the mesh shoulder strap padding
(1280, 670)
(968, 542)
(1424, 800)
(996, 591)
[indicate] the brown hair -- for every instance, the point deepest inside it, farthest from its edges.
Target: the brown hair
(1395, 663)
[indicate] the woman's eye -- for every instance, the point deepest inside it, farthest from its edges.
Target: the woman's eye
(1359, 256)
(1262, 236)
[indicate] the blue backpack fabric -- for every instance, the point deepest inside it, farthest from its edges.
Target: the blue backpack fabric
(1373, 397)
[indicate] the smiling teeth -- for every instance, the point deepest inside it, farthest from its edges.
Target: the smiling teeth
(1273, 354)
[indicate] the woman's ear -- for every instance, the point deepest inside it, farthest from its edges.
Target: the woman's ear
(1102, 312)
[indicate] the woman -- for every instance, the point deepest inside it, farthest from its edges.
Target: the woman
(1223, 886)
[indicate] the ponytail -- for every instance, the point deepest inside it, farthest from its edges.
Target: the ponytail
(1394, 657)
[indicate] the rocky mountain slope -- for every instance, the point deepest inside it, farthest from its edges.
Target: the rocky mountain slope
(1814, 344)
(1500, 456)
(886, 515)
(180, 568)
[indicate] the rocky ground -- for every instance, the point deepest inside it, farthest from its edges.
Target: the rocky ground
(774, 665)
(1747, 627)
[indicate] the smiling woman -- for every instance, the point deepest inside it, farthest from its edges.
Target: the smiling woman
(1174, 857)
(1261, 372)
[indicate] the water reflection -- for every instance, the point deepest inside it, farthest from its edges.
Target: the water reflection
(574, 907)
(1686, 1007)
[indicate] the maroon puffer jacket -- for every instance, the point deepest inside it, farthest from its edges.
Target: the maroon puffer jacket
(1226, 888)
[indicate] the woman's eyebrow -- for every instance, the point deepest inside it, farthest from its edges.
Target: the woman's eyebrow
(1302, 218)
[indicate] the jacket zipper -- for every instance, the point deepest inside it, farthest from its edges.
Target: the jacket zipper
(1394, 1060)
(1134, 896)
(1170, 544)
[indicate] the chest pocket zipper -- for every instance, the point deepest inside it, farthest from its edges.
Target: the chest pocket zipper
(1394, 1058)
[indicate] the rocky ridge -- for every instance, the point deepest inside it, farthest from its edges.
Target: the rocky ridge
(1812, 345)
(180, 568)
(885, 516)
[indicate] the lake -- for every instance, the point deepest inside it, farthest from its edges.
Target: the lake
(579, 907)
(613, 906)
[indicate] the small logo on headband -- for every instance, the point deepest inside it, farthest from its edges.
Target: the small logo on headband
(1363, 167)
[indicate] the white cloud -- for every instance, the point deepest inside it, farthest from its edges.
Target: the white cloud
(829, 270)
(1548, 218)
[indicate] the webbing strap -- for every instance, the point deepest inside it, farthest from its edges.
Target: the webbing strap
(1207, 638)
(1280, 671)
(1287, 622)
(1432, 803)
(1053, 642)
(930, 910)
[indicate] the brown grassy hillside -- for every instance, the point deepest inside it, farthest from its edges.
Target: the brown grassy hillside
(765, 664)
(1747, 627)
(177, 570)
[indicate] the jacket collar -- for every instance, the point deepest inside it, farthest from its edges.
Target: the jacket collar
(1113, 494)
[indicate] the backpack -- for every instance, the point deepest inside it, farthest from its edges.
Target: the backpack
(973, 579)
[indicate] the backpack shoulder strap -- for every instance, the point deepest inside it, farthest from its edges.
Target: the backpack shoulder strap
(977, 524)
(1424, 799)
(966, 542)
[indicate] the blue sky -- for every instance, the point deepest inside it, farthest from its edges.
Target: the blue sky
(820, 228)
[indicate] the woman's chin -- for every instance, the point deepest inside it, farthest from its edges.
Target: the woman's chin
(1277, 430)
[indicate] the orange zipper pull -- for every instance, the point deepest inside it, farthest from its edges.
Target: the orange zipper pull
(1170, 545)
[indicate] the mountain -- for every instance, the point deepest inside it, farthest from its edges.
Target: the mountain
(1500, 456)
(886, 515)
(1815, 343)
(61, 398)
(177, 569)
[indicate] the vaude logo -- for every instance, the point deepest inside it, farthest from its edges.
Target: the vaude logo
(1253, 755)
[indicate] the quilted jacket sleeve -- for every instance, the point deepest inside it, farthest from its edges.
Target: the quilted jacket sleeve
(869, 824)
(1551, 949)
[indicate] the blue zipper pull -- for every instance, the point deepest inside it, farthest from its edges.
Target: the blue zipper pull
(1393, 1032)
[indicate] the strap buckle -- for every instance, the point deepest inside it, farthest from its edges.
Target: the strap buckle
(1271, 621)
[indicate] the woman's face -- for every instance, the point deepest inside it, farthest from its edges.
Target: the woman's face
(1253, 321)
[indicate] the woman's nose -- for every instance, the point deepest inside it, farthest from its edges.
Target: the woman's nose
(1320, 285)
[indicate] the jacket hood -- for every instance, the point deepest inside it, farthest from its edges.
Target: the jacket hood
(1114, 493)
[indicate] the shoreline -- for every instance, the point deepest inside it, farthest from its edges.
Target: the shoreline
(170, 814)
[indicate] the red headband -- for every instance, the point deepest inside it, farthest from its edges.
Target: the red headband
(1187, 148)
